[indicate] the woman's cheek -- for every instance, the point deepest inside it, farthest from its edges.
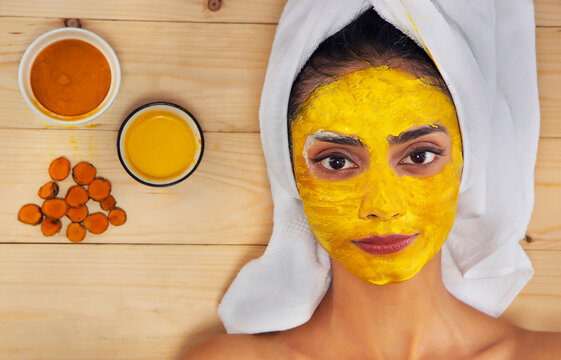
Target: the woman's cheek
(436, 192)
(331, 210)
(321, 193)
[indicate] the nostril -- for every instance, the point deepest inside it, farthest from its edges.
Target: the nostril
(381, 217)
(381, 205)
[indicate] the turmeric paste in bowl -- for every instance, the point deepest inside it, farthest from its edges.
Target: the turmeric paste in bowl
(160, 144)
(69, 76)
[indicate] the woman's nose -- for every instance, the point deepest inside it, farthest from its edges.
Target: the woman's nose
(383, 202)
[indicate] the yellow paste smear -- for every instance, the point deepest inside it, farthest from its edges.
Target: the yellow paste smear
(160, 145)
(372, 104)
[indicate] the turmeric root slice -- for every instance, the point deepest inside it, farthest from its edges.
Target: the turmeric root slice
(50, 226)
(30, 214)
(99, 189)
(108, 203)
(96, 223)
(54, 208)
(49, 190)
(77, 214)
(117, 216)
(59, 168)
(83, 173)
(75, 232)
(76, 196)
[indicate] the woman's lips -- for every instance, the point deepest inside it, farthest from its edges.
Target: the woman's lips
(384, 244)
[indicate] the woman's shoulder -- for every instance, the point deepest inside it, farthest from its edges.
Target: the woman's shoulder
(509, 342)
(232, 347)
(537, 345)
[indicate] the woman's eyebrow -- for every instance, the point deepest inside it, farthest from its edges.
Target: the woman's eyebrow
(339, 139)
(415, 133)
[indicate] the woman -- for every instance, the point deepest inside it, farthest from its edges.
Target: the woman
(377, 158)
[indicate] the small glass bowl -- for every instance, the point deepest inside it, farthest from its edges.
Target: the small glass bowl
(181, 113)
(49, 38)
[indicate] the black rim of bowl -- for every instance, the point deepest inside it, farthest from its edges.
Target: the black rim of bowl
(121, 133)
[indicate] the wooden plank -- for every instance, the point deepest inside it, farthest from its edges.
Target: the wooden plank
(548, 52)
(214, 70)
(148, 302)
(537, 306)
(112, 302)
(547, 12)
(247, 11)
(226, 201)
(545, 224)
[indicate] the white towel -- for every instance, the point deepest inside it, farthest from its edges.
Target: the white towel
(485, 51)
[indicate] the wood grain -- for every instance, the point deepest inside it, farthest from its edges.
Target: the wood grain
(547, 12)
(545, 227)
(218, 78)
(226, 201)
(537, 306)
(548, 52)
(247, 11)
(111, 302)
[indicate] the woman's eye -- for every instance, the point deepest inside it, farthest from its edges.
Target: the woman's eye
(336, 163)
(420, 157)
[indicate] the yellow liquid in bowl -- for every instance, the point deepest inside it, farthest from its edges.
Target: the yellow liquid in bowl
(160, 145)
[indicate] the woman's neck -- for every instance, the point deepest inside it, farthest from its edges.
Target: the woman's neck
(413, 319)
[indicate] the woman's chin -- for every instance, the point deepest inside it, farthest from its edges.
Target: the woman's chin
(383, 274)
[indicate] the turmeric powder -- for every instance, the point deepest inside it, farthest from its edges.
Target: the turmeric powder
(59, 168)
(77, 214)
(75, 232)
(96, 223)
(30, 214)
(54, 208)
(117, 216)
(50, 226)
(49, 190)
(83, 173)
(70, 77)
(76, 196)
(99, 189)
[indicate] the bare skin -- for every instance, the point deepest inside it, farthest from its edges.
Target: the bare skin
(415, 319)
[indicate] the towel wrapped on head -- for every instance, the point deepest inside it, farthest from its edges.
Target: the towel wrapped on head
(485, 52)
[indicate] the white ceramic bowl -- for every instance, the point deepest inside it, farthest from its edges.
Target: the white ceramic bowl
(181, 113)
(64, 34)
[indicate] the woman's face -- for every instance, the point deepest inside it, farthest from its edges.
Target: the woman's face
(378, 161)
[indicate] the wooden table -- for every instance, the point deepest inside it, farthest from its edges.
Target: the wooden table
(151, 287)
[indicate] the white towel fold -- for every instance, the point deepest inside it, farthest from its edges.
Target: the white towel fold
(485, 51)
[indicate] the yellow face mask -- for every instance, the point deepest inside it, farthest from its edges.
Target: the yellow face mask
(378, 161)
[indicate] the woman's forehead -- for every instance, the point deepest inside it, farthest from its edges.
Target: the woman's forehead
(376, 100)
(374, 84)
